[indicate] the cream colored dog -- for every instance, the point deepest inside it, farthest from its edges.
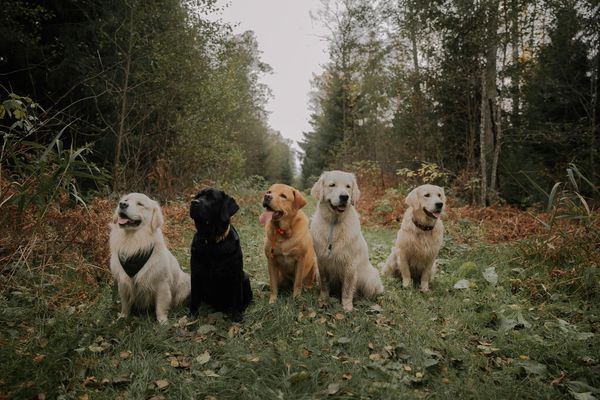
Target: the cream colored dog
(419, 238)
(342, 252)
(146, 272)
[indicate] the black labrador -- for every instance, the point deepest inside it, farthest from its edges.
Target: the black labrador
(218, 277)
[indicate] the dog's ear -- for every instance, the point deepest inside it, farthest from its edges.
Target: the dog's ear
(317, 189)
(299, 200)
(229, 208)
(355, 193)
(157, 217)
(412, 200)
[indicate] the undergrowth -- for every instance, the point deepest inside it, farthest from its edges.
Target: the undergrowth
(523, 326)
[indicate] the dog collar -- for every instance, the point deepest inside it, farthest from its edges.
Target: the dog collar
(134, 263)
(423, 227)
(219, 239)
(276, 231)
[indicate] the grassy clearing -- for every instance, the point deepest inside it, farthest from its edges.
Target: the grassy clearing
(485, 341)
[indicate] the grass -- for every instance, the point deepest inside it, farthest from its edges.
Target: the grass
(486, 341)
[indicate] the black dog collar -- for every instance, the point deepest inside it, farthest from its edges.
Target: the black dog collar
(423, 227)
(135, 262)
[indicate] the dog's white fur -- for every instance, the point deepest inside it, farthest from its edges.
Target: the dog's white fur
(161, 282)
(415, 250)
(348, 264)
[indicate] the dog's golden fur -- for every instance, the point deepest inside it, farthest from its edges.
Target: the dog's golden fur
(288, 244)
(419, 238)
(160, 283)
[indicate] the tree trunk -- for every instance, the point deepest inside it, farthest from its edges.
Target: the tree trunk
(488, 106)
(123, 112)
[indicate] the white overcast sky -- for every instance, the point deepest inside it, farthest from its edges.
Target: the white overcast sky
(290, 43)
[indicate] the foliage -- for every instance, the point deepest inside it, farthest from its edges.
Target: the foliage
(35, 173)
(161, 92)
(404, 83)
(427, 173)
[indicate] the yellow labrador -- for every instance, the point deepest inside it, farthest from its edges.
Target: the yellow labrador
(420, 237)
(147, 274)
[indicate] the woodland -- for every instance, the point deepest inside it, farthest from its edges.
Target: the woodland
(495, 100)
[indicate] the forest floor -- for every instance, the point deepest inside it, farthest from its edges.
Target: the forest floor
(494, 326)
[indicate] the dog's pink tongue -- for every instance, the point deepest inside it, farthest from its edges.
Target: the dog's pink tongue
(122, 221)
(265, 217)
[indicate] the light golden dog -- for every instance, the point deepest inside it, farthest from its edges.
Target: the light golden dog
(288, 244)
(342, 252)
(420, 237)
(146, 272)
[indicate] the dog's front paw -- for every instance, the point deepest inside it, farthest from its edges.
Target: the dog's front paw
(162, 319)
(122, 315)
(406, 283)
(347, 307)
(425, 287)
(272, 299)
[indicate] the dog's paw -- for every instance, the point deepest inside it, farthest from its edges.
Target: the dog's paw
(122, 315)
(406, 283)
(162, 319)
(272, 299)
(347, 307)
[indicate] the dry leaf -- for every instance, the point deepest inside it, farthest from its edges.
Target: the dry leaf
(333, 388)
(39, 358)
(124, 355)
(203, 358)
(161, 383)
(339, 316)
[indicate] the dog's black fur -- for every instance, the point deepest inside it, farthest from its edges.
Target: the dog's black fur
(218, 278)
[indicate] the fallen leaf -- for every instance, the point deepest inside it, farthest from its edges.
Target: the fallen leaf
(204, 329)
(299, 376)
(39, 358)
(210, 373)
(312, 314)
(161, 383)
(375, 357)
(462, 284)
(347, 376)
(124, 355)
(203, 358)
(333, 388)
(174, 363)
(338, 316)
(344, 340)
(490, 275)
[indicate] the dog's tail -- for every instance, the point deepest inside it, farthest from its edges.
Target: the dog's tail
(184, 288)
(391, 264)
(371, 283)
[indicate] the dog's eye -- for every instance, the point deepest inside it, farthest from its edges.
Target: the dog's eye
(283, 195)
(332, 185)
(348, 186)
(439, 195)
(427, 195)
(140, 204)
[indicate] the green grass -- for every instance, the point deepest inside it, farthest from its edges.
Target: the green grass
(485, 342)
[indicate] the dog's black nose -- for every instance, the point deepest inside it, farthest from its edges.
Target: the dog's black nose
(439, 205)
(268, 197)
(123, 205)
(344, 198)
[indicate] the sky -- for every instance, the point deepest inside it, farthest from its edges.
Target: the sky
(290, 42)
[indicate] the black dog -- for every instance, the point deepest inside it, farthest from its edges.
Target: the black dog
(218, 278)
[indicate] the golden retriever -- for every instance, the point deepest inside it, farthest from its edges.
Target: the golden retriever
(146, 272)
(288, 244)
(420, 237)
(342, 252)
